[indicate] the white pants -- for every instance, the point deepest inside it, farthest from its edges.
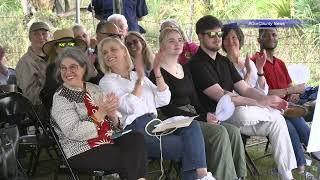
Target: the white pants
(275, 128)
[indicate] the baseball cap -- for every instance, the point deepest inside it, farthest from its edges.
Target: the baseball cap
(39, 25)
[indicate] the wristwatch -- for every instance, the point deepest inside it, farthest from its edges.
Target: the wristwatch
(140, 82)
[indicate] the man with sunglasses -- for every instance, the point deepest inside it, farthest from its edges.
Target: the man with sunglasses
(256, 114)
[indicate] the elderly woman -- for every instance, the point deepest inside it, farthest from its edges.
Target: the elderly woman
(84, 119)
(140, 51)
(224, 147)
(232, 41)
(139, 98)
(189, 48)
(62, 38)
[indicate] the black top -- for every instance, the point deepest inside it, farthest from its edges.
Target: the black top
(182, 93)
(207, 72)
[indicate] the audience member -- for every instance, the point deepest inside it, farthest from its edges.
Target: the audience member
(7, 75)
(140, 52)
(104, 29)
(225, 157)
(31, 68)
(132, 10)
(83, 122)
(189, 48)
(62, 38)
(139, 98)
(277, 76)
(214, 75)
(121, 22)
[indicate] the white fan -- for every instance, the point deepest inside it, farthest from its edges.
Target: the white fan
(299, 73)
(225, 108)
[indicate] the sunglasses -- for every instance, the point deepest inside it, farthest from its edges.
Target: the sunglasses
(66, 44)
(213, 34)
(113, 35)
(133, 42)
(72, 68)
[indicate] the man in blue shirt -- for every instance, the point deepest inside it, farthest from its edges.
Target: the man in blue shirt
(133, 10)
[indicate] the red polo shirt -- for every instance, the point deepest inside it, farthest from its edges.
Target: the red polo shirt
(276, 73)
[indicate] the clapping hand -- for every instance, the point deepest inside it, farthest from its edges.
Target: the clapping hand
(247, 64)
(261, 61)
(109, 105)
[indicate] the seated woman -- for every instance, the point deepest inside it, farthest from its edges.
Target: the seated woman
(232, 41)
(84, 119)
(62, 38)
(189, 48)
(140, 51)
(224, 147)
(139, 98)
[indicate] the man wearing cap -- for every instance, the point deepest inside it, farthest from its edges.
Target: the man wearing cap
(31, 68)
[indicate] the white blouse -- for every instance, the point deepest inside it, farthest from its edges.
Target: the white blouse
(253, 80)
(132, 106)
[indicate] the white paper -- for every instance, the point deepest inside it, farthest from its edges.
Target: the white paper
(173, 122)
(314, 143)
(225, 108)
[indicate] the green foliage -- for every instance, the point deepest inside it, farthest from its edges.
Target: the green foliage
(9, 6)
(296, 45)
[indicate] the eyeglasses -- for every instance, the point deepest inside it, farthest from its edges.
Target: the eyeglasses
(212, 34)
(72, 68)
(65, 44)
(113, 35)
(133, 42)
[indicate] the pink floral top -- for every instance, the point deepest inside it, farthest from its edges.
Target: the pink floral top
(189, 49)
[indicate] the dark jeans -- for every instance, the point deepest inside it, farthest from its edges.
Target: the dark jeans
(186, 144)
(299, 133)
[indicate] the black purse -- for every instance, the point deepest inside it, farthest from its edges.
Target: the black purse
(9, 138)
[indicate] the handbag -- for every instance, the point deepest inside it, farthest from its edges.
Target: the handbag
(9, 137)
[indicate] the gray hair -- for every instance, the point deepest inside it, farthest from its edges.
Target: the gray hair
(76, 54)
(115, 17)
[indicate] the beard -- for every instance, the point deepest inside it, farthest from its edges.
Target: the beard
(212, 48)
(269, 47)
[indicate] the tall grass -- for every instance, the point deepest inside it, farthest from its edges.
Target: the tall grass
(299, 45)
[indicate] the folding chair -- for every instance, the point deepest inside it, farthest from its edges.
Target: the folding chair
(17, 109)
(96, 174)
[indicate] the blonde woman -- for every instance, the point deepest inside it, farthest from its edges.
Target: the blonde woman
(140, 51)
(139, 98)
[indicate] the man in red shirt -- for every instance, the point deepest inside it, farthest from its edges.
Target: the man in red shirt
(280, 84)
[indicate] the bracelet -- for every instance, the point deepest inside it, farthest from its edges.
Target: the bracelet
(262, 74)
(157, 77)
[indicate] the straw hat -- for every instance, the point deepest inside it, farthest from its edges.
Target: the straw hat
(63, 35)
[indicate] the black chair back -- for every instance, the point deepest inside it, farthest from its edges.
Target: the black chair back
(17, 109)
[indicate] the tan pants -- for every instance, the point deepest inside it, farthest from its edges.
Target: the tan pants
(275, 128)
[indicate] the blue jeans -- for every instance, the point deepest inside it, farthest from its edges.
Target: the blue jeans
(185, 144)
(299, 133)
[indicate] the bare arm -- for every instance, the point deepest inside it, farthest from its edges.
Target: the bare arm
(215, 92)
(244, 90)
